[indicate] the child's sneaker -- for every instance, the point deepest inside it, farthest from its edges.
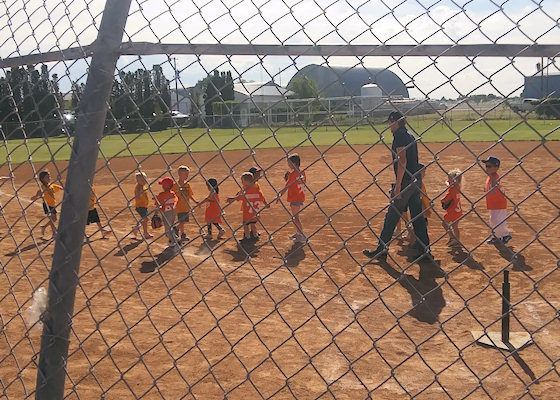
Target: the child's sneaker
(106, 232)
(301, 238)
(493, 240)
(294, 236)
(184, 237)
(208, 236)
(147, 235)
(506, 239)
(221, 233)
(135, 232)
(254, 236)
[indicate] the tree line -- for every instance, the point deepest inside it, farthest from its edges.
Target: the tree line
(32, 105)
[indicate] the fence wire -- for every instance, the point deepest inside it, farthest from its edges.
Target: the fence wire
(210, 305)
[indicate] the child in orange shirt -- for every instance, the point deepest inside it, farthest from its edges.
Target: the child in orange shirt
(451, 203)
(47, 191)
(141, 202)
(184, 193)
(295, 185)
(93, 215)
(166, 201)
(253, 202)
(496, 203)
(213, 213)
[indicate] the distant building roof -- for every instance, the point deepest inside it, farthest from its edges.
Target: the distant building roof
(348, 81)
(253, 89)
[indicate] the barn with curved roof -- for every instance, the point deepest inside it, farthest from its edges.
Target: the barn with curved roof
(348, 81)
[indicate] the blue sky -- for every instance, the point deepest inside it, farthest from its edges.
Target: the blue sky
(48, 25)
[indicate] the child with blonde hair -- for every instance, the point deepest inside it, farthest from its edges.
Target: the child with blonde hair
(253, 202)
(451, 203)
(184, 192)
(141, 202)
(47, 191)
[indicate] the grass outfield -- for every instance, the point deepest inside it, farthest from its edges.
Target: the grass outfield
(198, 140)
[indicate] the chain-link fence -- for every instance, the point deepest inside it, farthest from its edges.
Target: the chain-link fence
(287, 281)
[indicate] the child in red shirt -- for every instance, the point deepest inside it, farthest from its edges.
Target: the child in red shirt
(166, 201)
(253, 202)
(451, 203)
(213, 213)
(496, 202)
(295, 185)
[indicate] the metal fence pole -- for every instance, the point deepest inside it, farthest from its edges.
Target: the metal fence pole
(69, 241)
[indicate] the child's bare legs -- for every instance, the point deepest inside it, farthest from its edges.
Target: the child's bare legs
(295, 217)
(144, 224)
(246, 230)
(51, 222)
(452, 229)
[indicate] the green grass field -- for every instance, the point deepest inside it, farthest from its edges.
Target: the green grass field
(199, 140)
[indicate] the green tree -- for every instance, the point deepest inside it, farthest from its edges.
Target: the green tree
(304, 88)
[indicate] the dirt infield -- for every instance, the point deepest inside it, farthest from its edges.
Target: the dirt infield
(297, 322)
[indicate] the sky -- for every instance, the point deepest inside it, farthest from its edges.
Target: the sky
(48, 25)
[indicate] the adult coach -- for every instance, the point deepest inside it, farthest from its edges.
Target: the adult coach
(405, 193)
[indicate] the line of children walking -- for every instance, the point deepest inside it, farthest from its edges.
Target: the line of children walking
(176, 197)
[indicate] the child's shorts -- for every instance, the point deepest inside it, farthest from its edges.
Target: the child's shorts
(48, 209)
(183, 217)
(93, 217)
(142, 211)
(250, 222)
(296, 203)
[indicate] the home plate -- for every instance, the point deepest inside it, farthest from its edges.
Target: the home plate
(517, 340)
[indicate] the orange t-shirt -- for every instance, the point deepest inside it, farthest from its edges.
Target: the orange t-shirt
(166, 201)
(495, 199)
(252, 202)
(296, 186)
(454, 212)
(213, 214)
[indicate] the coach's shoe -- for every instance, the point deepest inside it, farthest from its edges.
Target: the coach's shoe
(377, 254)
(505, 239)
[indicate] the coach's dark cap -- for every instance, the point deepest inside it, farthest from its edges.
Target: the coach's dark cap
(394, 116)
(492, 160)
(254, 169)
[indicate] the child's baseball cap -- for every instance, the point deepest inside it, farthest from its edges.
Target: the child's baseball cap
(166, 182)
(492, 160)
(254, 169)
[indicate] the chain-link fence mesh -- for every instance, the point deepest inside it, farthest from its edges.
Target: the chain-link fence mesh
(277, 309)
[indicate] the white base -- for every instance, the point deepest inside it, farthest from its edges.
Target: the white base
(517, 340)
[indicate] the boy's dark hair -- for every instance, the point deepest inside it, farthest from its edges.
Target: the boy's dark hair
(294, 159)
(213, 183)
(42, 176)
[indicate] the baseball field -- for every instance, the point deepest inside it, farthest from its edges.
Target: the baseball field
(278, 320)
